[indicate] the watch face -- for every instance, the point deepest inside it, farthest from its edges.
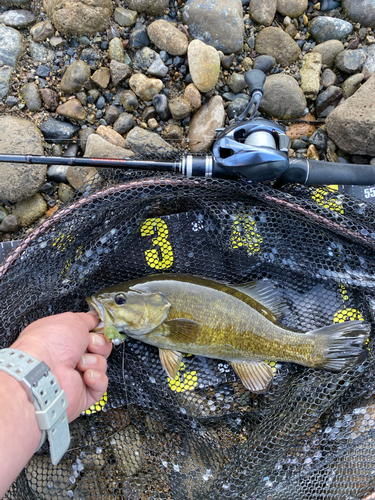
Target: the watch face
(366, 193)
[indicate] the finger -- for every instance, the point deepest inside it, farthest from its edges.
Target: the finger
(97, 383)
(92, 362)
(88, 319)
(98, 345)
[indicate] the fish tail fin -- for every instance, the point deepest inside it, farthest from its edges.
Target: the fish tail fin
(341, 344)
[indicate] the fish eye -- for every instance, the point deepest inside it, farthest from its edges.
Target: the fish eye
(120, 299)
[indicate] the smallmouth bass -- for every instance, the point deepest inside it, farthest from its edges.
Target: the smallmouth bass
(238, 324)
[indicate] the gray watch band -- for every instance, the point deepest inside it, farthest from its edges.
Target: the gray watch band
(44, 391)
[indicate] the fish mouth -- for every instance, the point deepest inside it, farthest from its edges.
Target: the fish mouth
(104, 314)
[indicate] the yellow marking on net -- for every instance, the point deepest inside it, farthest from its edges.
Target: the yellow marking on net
(244, 234)
(186, 382)
(63, 241)
(322, 196)
(344, 314)
(344, 293)
(96, 407)
(162, 256)
(272, 364)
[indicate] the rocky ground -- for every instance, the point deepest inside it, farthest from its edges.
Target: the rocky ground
(114, 79)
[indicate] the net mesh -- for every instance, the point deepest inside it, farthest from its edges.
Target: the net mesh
(203, 435)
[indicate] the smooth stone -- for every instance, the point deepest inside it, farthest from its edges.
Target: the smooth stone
(264, 63)
(145, 88)
(151, 7)
(351, 125)
(229, 96)
(351, 61)
(57, 173)
(237, 107)
(143, 141)
(41, 31)
(65, 192)
(351, 84)
(319, 139)
(17, 18)
(326, 5)
(291, 8)
(72, 108)
(138, 37)
(325, 28)
(84, 134)
(119, 72)
(180, 108)
(110, 135)
(310, 74)
(98, 147)
(158, 69)
(111, 114)
(11, 48)
(124, 123)
(129, 100)
(173, 133)
(203, 125)
(165, 36)
(11, 101)
(328, 78)
(360, 11)
(31, 209)
(79, 176)
(330, 97)
(75, 77)
(74, 17)
(299, 144)
(125, 17)
(193, 96)
(369, 66)
(43, 71)
(116, 50)
(218, 23)
(144, 58)
(40, 53)
(160, 102)
(278, 44)
(3, 213)
(101, 77)
(56, 130)
(236, 82)
(282, 98)
(204, 64)
(31, 97)
(262, 12)
(329, 50)
(10, 223)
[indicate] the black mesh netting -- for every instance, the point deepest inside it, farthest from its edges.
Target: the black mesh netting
(202, 435)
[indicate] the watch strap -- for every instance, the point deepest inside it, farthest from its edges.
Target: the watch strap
(44, 391)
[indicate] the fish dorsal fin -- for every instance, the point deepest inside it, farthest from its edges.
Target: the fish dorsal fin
(267, 295)
(183, 330)
(255, 375)
(171, 361)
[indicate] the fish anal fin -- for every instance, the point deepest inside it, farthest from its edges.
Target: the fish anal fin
(171, 361)
(183, 330)
(255, 375)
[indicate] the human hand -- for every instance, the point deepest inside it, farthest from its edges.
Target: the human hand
(75, 355)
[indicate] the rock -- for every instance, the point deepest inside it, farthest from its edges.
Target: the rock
(193, 96)
(204, 123)
(217, 23)
(139, 37)
(352, 124)
(110, 135)
(329, 51)
(11, 101)
(237, 107)
(78, 17)
(282, 98)
(143, 141)
(31, 97)
(98, 147)
(10, 224)
(278, 44)
(124, 123)
(72, 108)
(325, 28)
(330, 97)
(236, 82)
(227, 61)
(125, 17)
(65, 192)
(158, 69)
(369, 66)
(360, 11)
(40, 53)
(84, 134)
(310, 74)
(116, 50)
(129, 100)
(264, 63)
(41, 31)
(57, 173)
(291, 8)
(151, 7)
(31, 209)
(75, 77)
(352, 84)
(148, 59)
(79, 176)
(173, 132)
(204, 64)
(43, 71)
(319, 139)
(119, 72)
(351, 61)
(262, 12)
(57, 131)
(111, 114)
(326, 5)
(297, 130)
(328, 78)
(101, 77)
(17, 18)
(145, 88)
(180, 108)
(3, 213)
(16, 3)
(11, 48)
(160, 102)
(166, 37)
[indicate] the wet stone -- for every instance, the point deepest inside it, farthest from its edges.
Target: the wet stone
(50, 98)
(124, 123)
(351, 61)
(17, 18)
(330, 97)
(111, 114)
(325, 28)
(362, 12)
(139, 37)
(10, 224)
(129, 100)
(236, 107)
(328, 78)
(119, 71)
(30, 94)
(56, 130)
(227, 61)
(41, 31)
(57, 173)
(264, 63)
(43, 71)
(236, 82)
(11, 47)
(11, 101)
(40, 53)
(319, 139)
(326, 5)
(351, 84)
(75, 77)
(160, 102)
(65, 192)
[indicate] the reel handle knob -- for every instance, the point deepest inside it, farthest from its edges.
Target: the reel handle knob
(255, 79)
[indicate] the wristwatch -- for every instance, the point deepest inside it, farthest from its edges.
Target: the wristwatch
(45, 393)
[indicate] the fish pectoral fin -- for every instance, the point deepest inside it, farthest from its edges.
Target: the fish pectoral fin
(171, 361)
(183, 330)
(255, 375)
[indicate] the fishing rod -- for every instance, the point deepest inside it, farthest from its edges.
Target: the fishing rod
(253, 149)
